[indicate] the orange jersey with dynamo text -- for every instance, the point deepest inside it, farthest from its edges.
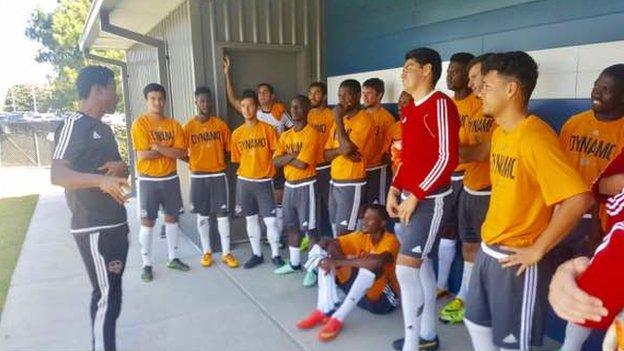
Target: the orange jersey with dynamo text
(322, 119)
(477, 129)
(530, 174)
(382, 121)
(359, 129)
(306, 144)
(467, 108)
(207, 143)
(148, 130)
(359, 244)
(253, 148)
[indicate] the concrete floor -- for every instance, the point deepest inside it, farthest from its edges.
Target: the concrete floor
(213, 308)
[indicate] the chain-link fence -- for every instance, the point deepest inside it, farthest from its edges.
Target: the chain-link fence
(27, 143)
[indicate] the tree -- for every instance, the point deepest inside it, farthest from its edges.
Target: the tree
(22, 97)
(59, 34)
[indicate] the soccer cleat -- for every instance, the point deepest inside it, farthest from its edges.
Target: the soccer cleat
(278, 261)
(178, 265)
(206, 259)
(330, 330)
(309, 279)
(253, 261)
(442, 293)
(230, 260)
(315, 318)
(287, 269)
(429, 345)
(453, 312)
(147, 275)
(305, 243)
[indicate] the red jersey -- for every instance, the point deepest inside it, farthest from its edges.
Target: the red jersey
(430, 145)
(604, 278)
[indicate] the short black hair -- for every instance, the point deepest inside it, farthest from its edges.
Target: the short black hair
(250, 94)
(302, 99)
(616, 72)
(154, 87)
(319, 85)
(381, 210)
(479, 59)
(376, 84)
(203, 90)
(427, 56)
(267, 85)
(91, 76)
(352, 84)
(515, 64)
(462, 58)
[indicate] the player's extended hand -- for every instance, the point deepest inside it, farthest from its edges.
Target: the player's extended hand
(522, 256)
(114, 186)
(326, 265)
(226, 65)
(392, 202)
(115, 168)
(407, 208)
(568, 300)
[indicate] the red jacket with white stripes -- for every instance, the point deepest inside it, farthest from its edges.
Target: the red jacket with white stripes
(430, 145)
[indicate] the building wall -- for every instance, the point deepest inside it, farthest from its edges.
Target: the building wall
(572, 40)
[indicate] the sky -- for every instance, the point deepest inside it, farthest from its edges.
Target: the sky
(17, 60)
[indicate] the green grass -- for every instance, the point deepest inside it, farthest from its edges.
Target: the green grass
(15, 214)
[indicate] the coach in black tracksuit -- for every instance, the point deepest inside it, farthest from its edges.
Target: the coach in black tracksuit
(86, 162)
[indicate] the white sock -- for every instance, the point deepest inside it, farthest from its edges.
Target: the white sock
(482, 337)
(446, 255)
(295, 256)
(254, 233)
(575, 336)
(412, 301)
(279, 219)
(203, 227)
(463, 289)
(327, 292)
(223, 224)
(272, 235)
(429, 316)
(145, 239)
(171, 229)
(363, 281)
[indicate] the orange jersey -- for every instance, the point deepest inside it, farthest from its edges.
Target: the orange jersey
(359, 244)
(207, 144)
(478, 129)
(591, 144)
(305, 143)
(149, 130)
(393, 142)
(468, 108)
(322, 119)
(253, 148)
(530, 174)
(382, 121)
(359, 129)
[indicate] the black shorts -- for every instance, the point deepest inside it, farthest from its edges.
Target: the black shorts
(377, 184)
(387, 302)
(450, 227)
(157, 192)
(345, 200)
(210, 194)
(473, 206)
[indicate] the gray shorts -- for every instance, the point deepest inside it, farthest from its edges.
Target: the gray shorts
(473, 206)
(576, 243)
(300, 206)
(345, 200)
(322, 185)
(255, 197)
(450, 227)
(513, 306)
(420, 237)
(377, 184)
(157, 192)
(210, 194)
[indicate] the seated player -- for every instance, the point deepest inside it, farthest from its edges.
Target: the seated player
(253, 145)
(158, 141)
(208, 141)
(297, 152)
(360, 263)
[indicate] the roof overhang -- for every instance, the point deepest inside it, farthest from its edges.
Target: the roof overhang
(139, 16)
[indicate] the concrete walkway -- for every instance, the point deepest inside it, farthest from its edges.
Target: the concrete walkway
(205, 309)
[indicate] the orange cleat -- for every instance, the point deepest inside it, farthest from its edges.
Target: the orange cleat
(330, 330)
(315, 318)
